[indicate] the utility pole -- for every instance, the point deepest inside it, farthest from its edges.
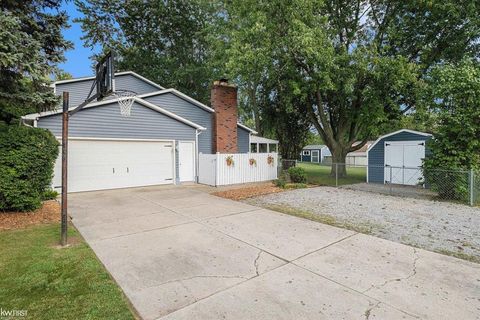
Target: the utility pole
(64, 168)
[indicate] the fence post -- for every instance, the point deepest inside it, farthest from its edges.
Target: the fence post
(471, 187)
(217, 168)
(336, 174)
(390, 183)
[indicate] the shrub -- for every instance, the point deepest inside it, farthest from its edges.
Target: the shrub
(280, 182)
(50, 194)
(27, 157)
(297, 175)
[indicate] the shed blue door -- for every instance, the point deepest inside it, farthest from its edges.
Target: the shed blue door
(306, 156)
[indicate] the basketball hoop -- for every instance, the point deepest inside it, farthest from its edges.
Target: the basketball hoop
(125, 99)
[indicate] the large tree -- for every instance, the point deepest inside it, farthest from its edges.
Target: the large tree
(31, 47)
(169, 42)
(359, 64)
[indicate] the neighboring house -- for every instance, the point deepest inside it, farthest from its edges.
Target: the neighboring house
(262, 145)
(314, 153)
(158, 144)
(397, 157)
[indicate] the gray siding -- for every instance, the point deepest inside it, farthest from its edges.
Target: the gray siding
(106, 122)
(189, 111)
(376, 155)
(79, 90)
(243, 140)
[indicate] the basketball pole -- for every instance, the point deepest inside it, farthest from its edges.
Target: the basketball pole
(65, 117)
(66, 114)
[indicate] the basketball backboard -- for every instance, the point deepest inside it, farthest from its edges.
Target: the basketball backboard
(105, 74)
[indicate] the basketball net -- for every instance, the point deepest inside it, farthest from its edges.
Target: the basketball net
(125, 99)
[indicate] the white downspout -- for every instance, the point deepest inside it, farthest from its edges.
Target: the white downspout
(197, 133)
(249, 143)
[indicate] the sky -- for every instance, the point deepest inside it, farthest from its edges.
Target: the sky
(78, 62)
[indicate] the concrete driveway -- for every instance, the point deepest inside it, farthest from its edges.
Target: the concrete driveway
(180, 253)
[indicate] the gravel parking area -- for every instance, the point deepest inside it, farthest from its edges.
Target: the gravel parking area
(443, 227)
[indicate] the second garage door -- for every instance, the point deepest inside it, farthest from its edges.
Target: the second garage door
(102, 164)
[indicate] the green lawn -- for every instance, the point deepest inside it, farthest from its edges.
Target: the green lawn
(320, 174)
(52, 283)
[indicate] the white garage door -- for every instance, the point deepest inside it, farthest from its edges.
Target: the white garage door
(101, 164)
(403, 161)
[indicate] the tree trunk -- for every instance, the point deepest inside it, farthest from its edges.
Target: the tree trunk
(256, 110)
(339, 167)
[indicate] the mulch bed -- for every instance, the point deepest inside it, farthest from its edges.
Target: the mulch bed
(49, 212)
(248, 192)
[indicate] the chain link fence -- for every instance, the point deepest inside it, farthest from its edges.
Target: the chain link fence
(285, 164)
(460, 186)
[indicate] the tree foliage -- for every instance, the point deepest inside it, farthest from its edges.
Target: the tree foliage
(168, 42)
(264, 78)
(454, 94)
(31, 47)
(352, 69)
(358, 65)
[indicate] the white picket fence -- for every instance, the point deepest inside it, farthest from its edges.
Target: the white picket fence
(215, 171)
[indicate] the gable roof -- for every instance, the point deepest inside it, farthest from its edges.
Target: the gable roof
(396, 132)
(116, 74)
(35, 116)
(246, 128)
(314, 147)
(145, 95)
(178, 94)
(191, 100)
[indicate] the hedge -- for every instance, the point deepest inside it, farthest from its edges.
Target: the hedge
(27, 158)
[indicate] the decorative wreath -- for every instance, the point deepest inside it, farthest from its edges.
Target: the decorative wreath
(252, 162)
(230, 161)
(270, 160)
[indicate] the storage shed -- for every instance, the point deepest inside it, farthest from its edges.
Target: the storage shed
(397, 157)
(314, 153)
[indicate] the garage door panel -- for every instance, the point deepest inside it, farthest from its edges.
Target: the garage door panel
(99, 164)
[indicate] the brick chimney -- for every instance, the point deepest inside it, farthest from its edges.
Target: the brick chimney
(224, 102)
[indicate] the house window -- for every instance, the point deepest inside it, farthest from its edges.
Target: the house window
(306, 152)
(253, 147)
(272, 147)
(262, 148)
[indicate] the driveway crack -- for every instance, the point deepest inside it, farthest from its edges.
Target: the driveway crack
(255, 263)
(196, 277)
(411, 275)
(370, 309)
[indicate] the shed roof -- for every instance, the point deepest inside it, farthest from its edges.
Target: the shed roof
(314, 147)
(396, 132)
(257, 139)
